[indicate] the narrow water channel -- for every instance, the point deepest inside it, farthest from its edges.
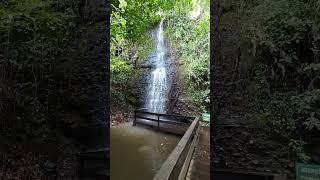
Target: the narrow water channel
(137, 153)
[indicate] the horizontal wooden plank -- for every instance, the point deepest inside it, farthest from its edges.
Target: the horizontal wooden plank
(162, 121)
(166, 115)
(171, 118)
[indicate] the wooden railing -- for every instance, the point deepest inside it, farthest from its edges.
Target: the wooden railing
(161, 118)
(177, 164)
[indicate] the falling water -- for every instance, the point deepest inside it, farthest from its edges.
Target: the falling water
(158, 85)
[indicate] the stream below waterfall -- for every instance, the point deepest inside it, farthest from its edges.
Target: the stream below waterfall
(137, 153)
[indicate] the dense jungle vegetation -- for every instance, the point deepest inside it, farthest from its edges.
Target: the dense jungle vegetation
(188, 30)
(32, 34)
(265, 84)
(188, 36)
(283, 42)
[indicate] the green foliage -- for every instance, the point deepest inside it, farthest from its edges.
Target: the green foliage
(293, 115)
(291, 111)
(280, 111)
(262, 84)
(296, 146)
(285, 32)
(191, 39)
(32, 33)
(307, 107)
(132, 18)
(130, 21)
(117, 28)
(120, 70)
(285, 38)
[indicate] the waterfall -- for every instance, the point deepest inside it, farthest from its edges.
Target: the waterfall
(158, 85)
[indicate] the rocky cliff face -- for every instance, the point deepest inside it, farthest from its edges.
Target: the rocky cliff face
(81, 82)
(236, 142)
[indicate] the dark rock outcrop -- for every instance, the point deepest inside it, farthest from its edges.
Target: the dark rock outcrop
(81, 81)
(235, 142)
(43, 131)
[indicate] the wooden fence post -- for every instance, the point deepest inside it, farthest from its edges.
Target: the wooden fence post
(159, 121)
(135, 119)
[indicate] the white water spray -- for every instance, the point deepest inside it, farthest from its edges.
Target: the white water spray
(157, 92)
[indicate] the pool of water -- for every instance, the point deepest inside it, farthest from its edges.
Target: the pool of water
(137, 153)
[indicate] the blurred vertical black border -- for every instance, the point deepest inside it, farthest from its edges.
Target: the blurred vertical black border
(107, 45)
(215, 57)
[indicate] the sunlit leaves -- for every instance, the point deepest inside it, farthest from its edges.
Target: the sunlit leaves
(191, 38)
(117, 28)
(120, 70)
(115, 4)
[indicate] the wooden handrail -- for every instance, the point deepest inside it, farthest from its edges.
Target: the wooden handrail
(164, 121)
(170, 169)
(174, 120)
(162, 114)
(185, 167)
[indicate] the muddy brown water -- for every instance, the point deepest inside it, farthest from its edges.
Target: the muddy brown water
(137, 153)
